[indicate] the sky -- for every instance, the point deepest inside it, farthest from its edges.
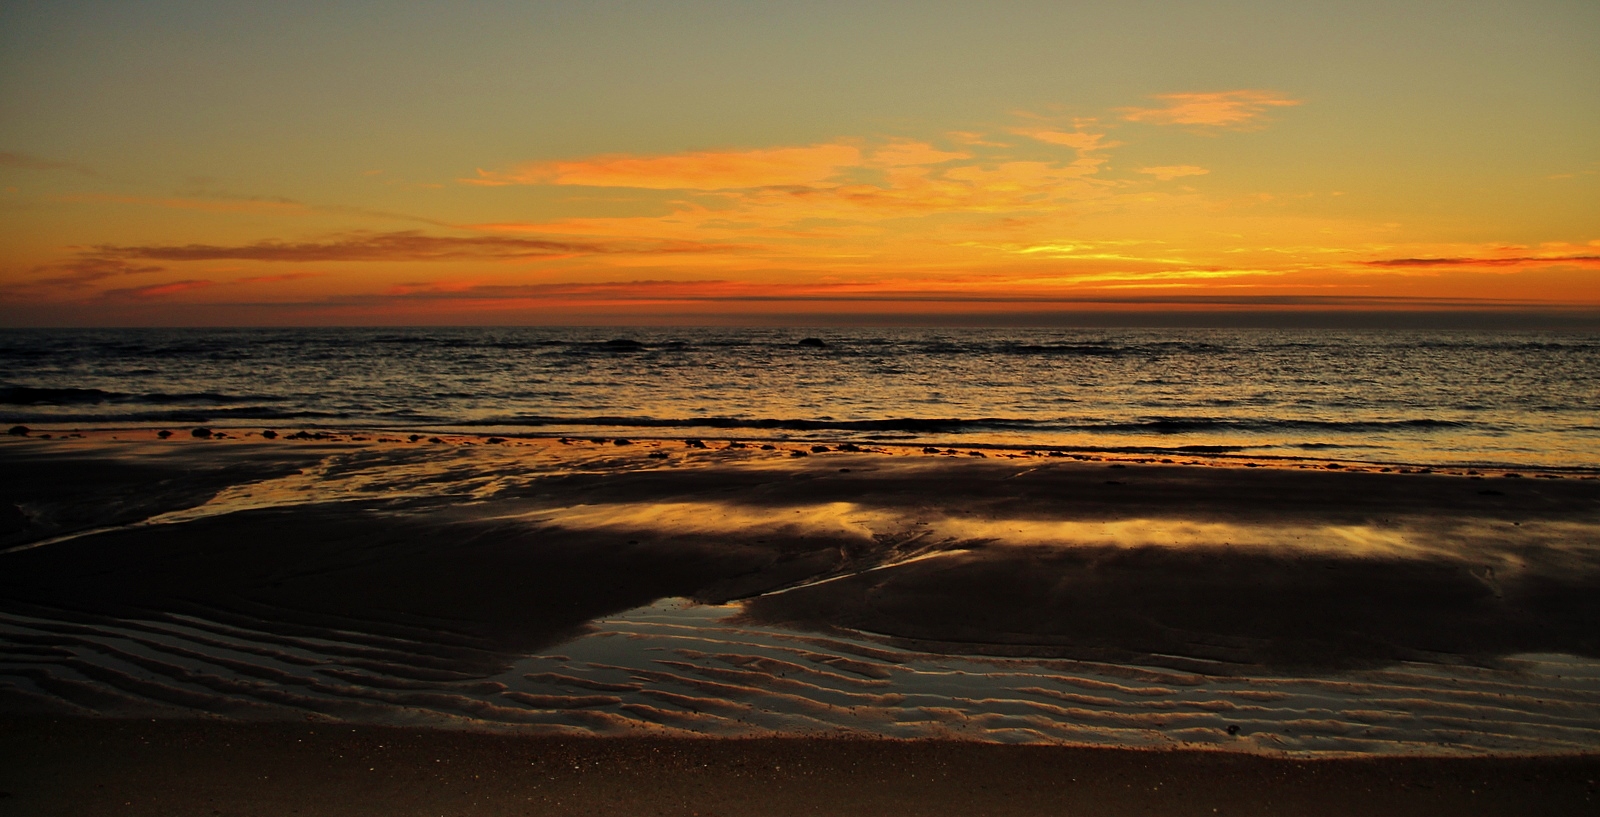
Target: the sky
(500, 163)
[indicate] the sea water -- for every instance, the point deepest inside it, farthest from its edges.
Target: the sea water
(1421, 397)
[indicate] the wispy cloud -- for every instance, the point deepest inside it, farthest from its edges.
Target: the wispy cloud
(223, 202)
(278, 279)
(157, 290)
(1224, 110)
(1075, 139)
(24, 161)
(904, 152)
(704, 170)
(231, 204)
(814, 296)
(1490, 261)
(87, 270)
(395, 246)
(1167, 173)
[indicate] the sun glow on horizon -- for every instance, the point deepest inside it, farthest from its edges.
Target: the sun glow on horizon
(1176, 198)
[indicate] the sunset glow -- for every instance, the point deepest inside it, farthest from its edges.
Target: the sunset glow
(640, 165)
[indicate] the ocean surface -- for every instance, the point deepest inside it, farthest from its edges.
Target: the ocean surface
(1438, 397)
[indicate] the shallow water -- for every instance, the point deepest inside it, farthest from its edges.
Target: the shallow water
(678, 668)
(542, 586)
(1383, 396)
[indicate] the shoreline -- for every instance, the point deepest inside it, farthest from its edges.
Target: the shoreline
(738, 592)
(1198, 455)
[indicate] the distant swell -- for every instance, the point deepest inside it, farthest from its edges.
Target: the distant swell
(894, 424)
(191, 415)
(1179, 425)
(32, 396)
(959, 425)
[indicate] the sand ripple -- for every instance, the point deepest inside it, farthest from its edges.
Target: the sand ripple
(680, 668)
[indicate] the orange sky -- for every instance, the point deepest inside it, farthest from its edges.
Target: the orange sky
(1212, 186)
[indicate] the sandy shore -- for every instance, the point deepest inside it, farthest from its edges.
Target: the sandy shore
(83, 768)
(1403, 627)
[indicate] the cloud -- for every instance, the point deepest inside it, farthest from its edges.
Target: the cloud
(23, 161)
(224, 202)
(274, 279)
(157, 290)
(821, 295)
(231, 204)
(973, 138)
(1077, 140)
(396, 246)
(1167, 173)
(904, 153)
(1227, 110)
(706, 170)
(1522, 261)
(838, 192)
(86, 270)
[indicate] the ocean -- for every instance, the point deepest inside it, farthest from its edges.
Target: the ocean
(1419, 397)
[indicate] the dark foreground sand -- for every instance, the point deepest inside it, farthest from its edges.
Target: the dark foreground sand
(293, 613)
(80, 768)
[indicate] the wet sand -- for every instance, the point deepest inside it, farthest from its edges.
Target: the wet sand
(84, 768)
(536, 590)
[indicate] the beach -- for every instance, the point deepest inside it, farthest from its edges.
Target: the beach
(766, 599)
(730, 408)
(81, 767)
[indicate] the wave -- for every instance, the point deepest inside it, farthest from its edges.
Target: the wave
(191, 415)
(1179, 425)
(954, 425)
(40, 396)
(936, 425)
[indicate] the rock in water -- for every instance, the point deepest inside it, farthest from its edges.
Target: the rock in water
(200, 433)
(816, 343)
(18, 431)
(269, 434)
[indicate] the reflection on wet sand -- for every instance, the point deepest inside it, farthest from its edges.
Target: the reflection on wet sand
(876, 593)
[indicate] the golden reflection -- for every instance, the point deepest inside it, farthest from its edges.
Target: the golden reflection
(1474, 541)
